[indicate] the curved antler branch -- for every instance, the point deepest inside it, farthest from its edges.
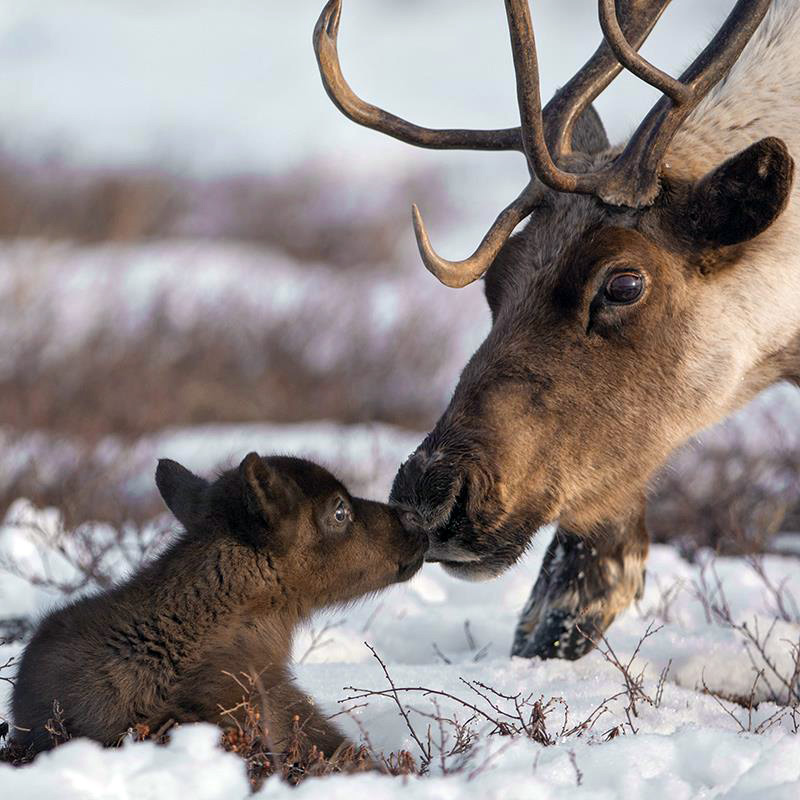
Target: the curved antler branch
(526, 69)
(345, 99)
(637, 18)
(633, 179)
(457, 274)
(632, 61)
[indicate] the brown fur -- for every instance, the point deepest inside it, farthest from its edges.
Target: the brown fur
(262, 551)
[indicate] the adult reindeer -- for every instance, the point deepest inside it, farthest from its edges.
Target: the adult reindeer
(655, 289)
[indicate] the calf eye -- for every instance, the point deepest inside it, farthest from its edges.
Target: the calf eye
(624, 287)
(341, 513)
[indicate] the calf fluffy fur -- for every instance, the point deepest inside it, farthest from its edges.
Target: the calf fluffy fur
(264, 546)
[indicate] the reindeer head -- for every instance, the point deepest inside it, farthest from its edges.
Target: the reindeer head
(604, 353)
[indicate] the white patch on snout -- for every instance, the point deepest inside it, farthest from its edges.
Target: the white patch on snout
(472, 574)
(451, 552)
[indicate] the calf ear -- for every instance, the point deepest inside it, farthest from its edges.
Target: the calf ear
(268, 492)
(744, 196)
(182, 491)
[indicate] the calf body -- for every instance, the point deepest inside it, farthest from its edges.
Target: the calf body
(265, 546)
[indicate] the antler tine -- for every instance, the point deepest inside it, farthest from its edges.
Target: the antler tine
(344, 98)
(526, 68)
(636, 19)
(632, 180)
(457, 274)
(632, 61)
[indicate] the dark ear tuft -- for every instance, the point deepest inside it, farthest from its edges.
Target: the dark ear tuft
(744, 196)
(182, 491)
(268, 492)
(589, 136)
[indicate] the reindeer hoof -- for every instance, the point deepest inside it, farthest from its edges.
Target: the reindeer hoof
(562, 634)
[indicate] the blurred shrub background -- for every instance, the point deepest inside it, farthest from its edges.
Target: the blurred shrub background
(191, 234)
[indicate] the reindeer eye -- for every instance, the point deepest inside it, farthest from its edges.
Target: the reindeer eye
(624, 287)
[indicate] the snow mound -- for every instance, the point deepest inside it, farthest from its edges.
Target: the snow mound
(192, 765)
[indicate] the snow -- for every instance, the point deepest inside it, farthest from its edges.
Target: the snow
(192, 766)
(687, 747)
(719, 765)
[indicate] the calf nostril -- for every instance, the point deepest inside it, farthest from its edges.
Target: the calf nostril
(411, 520)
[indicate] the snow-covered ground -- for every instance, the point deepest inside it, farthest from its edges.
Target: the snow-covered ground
(436, 632)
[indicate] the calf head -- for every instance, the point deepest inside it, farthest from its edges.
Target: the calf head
(325, 546)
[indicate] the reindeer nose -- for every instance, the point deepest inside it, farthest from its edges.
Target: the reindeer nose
(424, 488)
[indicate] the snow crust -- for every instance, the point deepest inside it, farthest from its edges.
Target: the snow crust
(688, 747)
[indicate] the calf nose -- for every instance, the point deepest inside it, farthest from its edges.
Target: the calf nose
(411, 520)
(426, 486)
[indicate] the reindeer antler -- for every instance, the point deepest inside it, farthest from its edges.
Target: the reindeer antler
(325, 38)
(545, 136)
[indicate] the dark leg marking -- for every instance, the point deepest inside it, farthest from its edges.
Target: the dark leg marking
(583, 584)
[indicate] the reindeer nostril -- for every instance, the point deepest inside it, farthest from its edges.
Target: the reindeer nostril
(425, 488)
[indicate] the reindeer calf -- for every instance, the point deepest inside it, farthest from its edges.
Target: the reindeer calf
(265, 545)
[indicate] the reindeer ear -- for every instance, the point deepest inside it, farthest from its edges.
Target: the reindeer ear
(181, 490)
(744, 196)
(589, 135)
(268, 492)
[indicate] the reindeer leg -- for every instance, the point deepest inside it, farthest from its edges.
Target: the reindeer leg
(584, 582)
